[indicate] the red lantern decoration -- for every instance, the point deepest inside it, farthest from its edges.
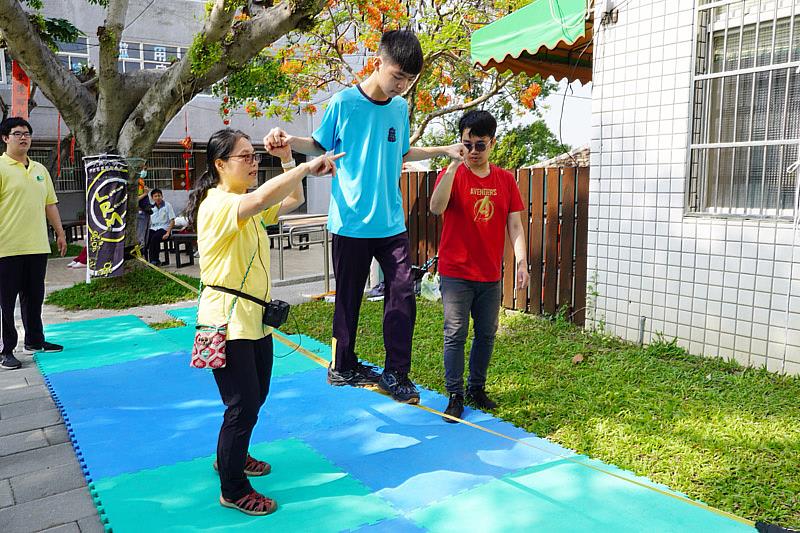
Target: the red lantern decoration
(187, 146)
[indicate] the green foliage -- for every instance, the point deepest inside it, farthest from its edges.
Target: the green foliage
(723, 434)
(518, 147)
(167, 324)
(72, 250)
(232, 5)
(259, 80)
(53, 30)
(203, 55)
(140, 286)
(328, 55)
(526, 145)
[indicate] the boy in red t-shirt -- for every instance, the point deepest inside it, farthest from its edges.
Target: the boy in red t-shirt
(480, 202)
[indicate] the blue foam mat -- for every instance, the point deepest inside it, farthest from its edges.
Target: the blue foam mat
(146, 413)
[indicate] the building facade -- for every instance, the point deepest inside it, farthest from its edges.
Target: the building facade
(694, 185)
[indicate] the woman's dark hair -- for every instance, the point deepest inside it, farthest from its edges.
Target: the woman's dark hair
(12, 122)
(480, 123)
(220, 146)
(402, 47)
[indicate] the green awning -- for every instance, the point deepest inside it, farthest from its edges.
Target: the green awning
(546, 37)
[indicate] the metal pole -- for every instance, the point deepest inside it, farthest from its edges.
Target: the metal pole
(280, 249)
(326, 255)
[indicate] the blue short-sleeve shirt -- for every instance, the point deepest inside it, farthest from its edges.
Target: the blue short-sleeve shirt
(365, 193)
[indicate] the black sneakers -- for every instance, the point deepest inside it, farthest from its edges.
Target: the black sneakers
(399, 387)
(46, 347)
(9, 362)
(478, 398)
(455, 407)
(361, 376)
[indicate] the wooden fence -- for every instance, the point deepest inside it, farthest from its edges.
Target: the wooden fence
(556, 233)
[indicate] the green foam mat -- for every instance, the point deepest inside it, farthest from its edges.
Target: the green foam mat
(187, 314)
(566, 496)
(100, 342)
(181, 338)
(312, 495)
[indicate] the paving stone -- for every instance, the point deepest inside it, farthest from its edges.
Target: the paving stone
(20, 442)
(47, 482)
(48, 512)
(33, 460)
(11, 383)
(18, 424)
(72, 527)
(56, 434)
(34, 380)
(23, 393)
(26, 407)
(6, 496)
(91, 524)
(14, 376)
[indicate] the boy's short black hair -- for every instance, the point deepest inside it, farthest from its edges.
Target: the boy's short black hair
(402, 47)
(156, 191)
(12, 122)
(480, 123)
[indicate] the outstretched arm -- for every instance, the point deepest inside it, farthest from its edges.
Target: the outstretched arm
(277, 138)
(281, 186)
(420, 153)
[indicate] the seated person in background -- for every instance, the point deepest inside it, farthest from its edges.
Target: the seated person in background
(162, 220)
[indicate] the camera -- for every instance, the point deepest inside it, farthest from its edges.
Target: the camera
(276, 313)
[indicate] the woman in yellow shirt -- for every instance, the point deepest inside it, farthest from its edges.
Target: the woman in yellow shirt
(234, 253)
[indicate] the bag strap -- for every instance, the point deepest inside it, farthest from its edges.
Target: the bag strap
(239, 294)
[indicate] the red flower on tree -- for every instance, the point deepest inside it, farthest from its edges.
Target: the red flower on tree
(529, 95)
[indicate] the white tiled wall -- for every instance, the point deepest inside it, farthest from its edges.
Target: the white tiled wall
(720, 286)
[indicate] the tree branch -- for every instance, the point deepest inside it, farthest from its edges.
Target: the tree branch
(218, 22)
(419, 130)
(59, 85)
(109, 81)
(178, 84)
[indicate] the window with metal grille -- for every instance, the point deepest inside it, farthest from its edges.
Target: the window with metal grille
(5, 67)
(74, 56)
(745, 107)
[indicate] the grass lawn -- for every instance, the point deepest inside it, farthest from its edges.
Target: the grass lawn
(72, 250)
(141, 286)
(718, 432)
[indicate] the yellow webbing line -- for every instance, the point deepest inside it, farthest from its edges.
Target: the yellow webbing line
(322, 362)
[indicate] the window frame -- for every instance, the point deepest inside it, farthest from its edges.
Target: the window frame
(180, 51)
(701, 103)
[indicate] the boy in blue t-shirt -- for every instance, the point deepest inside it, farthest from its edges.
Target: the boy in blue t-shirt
(369, 124)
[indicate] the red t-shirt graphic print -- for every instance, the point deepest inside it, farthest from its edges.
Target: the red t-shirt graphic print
(474, 228)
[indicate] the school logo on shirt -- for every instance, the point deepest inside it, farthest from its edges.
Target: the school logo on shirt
(392, 135)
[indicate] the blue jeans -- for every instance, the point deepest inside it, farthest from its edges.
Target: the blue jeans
(462, 298)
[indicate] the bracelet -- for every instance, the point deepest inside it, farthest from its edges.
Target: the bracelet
(289, 164)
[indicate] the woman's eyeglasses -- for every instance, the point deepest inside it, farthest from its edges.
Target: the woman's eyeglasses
(247, 158)
(479, 146)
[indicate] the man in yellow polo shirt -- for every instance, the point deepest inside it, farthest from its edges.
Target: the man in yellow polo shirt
(27, 201)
